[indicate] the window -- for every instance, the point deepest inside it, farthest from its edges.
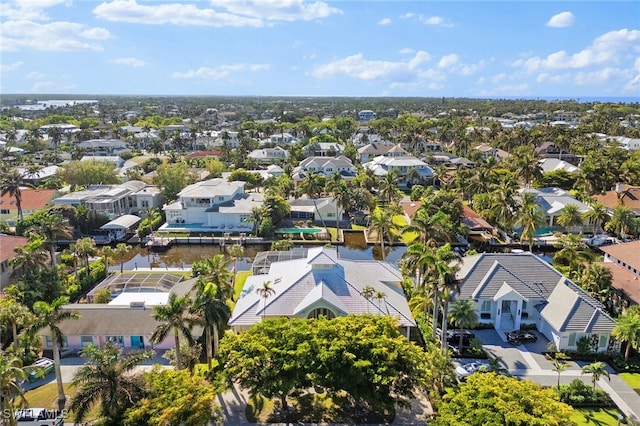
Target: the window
(86, 340)
(116, 340)
(603, 341)
(48, 344)
(4, 211)
(486, 306)
(144, 204)
(572, 339)
(316, 313)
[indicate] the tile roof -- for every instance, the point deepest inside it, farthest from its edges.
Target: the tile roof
(630, 197)
(8, 243)
(628, 253)
(624, 280)
(32, 199)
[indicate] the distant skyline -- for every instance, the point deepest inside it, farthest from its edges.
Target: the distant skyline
(505, 49)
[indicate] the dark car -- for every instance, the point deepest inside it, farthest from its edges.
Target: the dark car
(453, 337)
(521, 336)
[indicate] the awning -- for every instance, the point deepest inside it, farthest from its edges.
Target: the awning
(123, 222)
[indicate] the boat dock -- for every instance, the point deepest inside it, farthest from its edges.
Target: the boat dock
(160, 242)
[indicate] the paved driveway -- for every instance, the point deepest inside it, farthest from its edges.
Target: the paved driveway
(526, 361)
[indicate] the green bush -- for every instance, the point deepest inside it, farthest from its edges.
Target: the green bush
(145, 228)
(75, 288)
(579, 394)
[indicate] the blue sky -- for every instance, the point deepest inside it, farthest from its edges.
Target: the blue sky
(321, 48)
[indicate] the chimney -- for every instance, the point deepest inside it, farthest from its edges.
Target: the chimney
(619, 188)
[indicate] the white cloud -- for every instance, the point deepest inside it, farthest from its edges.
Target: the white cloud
(11, 67)
(220, 72)
(406, 51)
(55, 36)
(609, 48)
(384, 21)
(34, 75)
(561, 20)
(278, 10)
(435, 20)
(239, 13)
(357, 66)
(448, 61)
(407, 15)
(498, 78)
(28, 9)
(132, 62)
(51, 87)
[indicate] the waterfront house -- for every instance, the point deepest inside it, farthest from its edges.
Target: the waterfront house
(512, 290)
(487, 151)
(269, 155)
(214, 205)
(398, 160)
(317, 282)
(551, 201)
(626, 195)
(325, 166)
(623, 260)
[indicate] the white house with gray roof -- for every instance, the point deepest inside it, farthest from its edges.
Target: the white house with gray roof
(402, 164)
(552, 201)
(214, 205)
(325, 166)
(511, 290)
(321, 283)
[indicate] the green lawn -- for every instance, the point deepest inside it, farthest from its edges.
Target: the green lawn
(46, 396)
(595, 416)
(241, 277)
(632, 379)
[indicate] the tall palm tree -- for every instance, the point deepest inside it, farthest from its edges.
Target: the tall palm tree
(10, 183)
(379, 296)
(236, 251)
(30, 258)
(367, 292)
(463, 314)
(559, 366)
(529, 217)
(51, 316)
(174, 317)
(107, 252)
(445, 283)
(84, 248)
(598, 215)
(572, 252)
(388, 188)
(106, 378)
(210, 306)
(597, 370)
(216, 270)
(11, 375)
(122, 249)
(265, 292)
(51, 228)
(596, 280)
(434, 228)
(627, 330)
(381, 222)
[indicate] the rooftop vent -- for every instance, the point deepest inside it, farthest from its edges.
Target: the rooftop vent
(136, 305)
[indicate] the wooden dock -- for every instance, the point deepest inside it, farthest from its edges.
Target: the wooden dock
(160, 242)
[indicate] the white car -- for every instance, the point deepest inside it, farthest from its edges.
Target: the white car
(465, 370)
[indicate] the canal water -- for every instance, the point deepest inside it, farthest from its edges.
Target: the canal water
(183, 255)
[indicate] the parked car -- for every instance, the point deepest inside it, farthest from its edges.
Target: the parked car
(38, 417)
(39, 369)
(521, 336)
(465, 370)
(453, 336)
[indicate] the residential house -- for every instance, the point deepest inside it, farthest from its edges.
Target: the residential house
(479, 229)
(323, 149)
(630, 144)
(371, 150)
(554, 164)
(512, 290)
(281, 138)
(269, 155)
(215, 205)
(366, 115)
(551, 201)
(409, 209)
(8, 244)
(116, 160)
(488, 152)
(32, 200)
(550, 150)
(623, 260)
(321, 284)
(325, 166)
(36, 178)
(127, 320)
(626, 195)
(104, 147)
(114, 200)
(271, 171)
(319, 210)
(398, 160)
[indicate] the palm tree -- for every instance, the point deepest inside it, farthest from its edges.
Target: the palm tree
(388, 188)
(596, 280)
(367, 292)
(107, 252)
(265, 291)
(598, 215)
(50, 316)
(463, 315)
(16, 315)
(495, 365)
(84, 248)
(379, 296)
(381, 222)
(627, 330)
(51, 228)
(434, 228)
(122, 249)
(30, 258)
(570, 216)
(621, 221)
(597, 370)
(174, 316)
(559, 366)
(210, 306)
(10, 184)
(235, 251)
(529, 217)
(572, 252)
(11, 375)
(106, 378)
(216, 270)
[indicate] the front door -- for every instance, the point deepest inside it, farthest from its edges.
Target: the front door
(137, 342)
